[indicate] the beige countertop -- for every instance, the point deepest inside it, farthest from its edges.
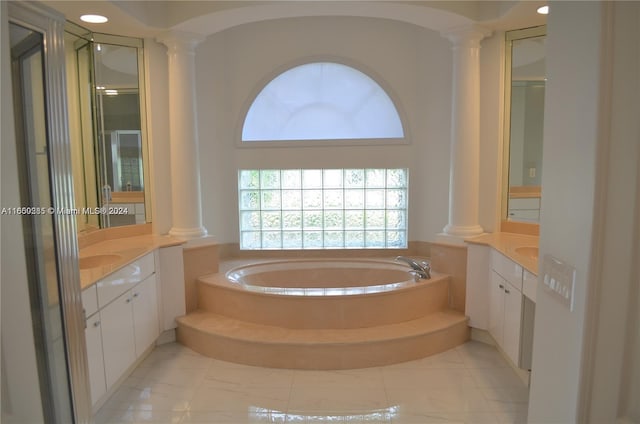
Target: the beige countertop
(511, 245)
(127, 248)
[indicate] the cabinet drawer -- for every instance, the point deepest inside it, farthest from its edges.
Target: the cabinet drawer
(90, 301)
(509, 270)
(124, 279)
(529, 285)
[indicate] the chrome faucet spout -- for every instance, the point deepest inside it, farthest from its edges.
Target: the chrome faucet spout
(423, 270)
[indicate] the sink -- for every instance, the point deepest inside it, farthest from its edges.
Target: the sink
(98, 260)
(529, 251)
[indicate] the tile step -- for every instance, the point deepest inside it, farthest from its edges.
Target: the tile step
(248, 343)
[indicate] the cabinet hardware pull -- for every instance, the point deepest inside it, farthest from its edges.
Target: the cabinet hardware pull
(128, 300)
(507, 291)
(96, 324)
(136, 294)
(501, 286)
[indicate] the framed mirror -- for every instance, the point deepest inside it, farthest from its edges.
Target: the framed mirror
(524, 123)
(108, 132)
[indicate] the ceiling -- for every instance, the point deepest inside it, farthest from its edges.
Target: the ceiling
(150, 18)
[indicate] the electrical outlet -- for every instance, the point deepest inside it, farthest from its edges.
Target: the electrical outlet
(559, 278)
(532, 172)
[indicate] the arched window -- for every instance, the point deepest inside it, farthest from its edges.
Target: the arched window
(322, 101)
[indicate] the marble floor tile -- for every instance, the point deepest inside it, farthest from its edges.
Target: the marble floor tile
(447, 418)
(481, 355)
(365, 377)
(428, 378)
(250, 416)
(497, 378)
(219, 377)
(441, 400)
(470, 384)
(355, 400)
(239, 399)
(109, 416)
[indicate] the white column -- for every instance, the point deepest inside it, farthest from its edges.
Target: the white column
(183, 133)
(464, 174)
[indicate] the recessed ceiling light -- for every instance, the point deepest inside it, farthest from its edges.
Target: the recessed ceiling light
(94, 19)
(543, 10)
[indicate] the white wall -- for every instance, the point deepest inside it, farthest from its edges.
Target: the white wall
(412, 63)
(570, 148)
(612, 385)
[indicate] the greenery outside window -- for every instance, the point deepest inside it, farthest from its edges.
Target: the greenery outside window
(322, 208)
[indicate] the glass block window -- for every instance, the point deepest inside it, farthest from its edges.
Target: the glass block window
(322, 101)
(323, 208)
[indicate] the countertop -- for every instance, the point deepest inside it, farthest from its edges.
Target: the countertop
(508, 243)
(128, 248)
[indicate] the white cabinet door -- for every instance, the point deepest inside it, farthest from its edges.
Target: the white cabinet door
(145, 314)
(496, 307)
(117, 337)
(512, 323)
(95, 358)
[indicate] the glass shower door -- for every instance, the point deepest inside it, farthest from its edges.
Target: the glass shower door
(37, 246)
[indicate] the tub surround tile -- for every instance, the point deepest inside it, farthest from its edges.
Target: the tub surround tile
(452, 260)
(217, 295)
(254, 344)
(198, 261)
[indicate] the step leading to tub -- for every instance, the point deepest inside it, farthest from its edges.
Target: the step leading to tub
(249, 343)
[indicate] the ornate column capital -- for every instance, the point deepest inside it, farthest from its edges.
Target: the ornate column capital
(180, 41)
(467, 36)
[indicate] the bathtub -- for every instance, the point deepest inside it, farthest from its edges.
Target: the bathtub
(322, 293)
(322, 277)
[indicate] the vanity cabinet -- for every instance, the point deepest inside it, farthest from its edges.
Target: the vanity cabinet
(506, 308)
(117, 337)
(505, 318)
(124, 323)
(95, 358)
(501, 300)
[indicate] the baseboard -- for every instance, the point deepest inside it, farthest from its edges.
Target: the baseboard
(168, 336)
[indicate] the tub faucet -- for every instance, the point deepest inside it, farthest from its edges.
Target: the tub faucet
(422, 270)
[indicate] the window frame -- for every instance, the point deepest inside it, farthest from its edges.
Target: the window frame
(257, 89)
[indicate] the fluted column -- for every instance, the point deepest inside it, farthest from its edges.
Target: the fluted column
(183, 133)
(465, 133)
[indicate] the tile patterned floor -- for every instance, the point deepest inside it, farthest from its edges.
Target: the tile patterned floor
(469, 384)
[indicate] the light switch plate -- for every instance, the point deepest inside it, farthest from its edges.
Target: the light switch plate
(559, 278)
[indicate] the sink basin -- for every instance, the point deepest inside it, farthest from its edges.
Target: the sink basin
(98, 260)
(529, 251)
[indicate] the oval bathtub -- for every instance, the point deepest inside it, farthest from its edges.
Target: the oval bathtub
(309, 277)
(322, 293)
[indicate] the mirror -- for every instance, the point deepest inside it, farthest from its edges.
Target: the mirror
(108, 134)
(524, 123)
